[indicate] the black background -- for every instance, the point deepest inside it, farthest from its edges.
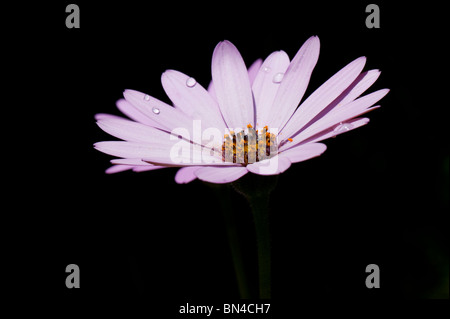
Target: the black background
(379, 194)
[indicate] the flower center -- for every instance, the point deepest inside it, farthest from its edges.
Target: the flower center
(249, 146)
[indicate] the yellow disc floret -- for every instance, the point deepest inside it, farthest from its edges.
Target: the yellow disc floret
(250, 147)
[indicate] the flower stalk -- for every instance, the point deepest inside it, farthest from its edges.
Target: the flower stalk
(256, 189)
(224, 196)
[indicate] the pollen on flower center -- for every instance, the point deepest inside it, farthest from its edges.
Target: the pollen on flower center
(249, 146)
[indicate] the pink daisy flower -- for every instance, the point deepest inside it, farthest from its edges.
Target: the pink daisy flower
(247, 121)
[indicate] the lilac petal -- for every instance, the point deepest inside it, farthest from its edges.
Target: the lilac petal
(273, 166)
(323, 96)
(130, 161)
(140, 168)
(192, 100)
(179, 153)
(118, 168)
(132, 131)
(253, 70)
(133, 149)
(102, 116)
(295, 82)
(338, 115)
(304, 152)
(129, 110)
(264, 88)
(220, 175)
(360, 85)
(167, 117)
(339, 129)
(232, 86)
(212, 90)
(186, 174)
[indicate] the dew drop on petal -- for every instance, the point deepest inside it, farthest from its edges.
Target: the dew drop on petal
(266, 69)
(278, 77)
(147, 97)
(343, 127)
(156, 110)
(191, 82)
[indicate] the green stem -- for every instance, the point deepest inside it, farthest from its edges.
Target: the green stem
(256, 190)
(223, 195)
(260, 208)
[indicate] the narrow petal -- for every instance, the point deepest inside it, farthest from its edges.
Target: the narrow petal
(133, 113)
(130, 161)
(192, 99)
(118, 168)
(167, 117)
(338, 129)
(212, 90)
(140, 168)
(132, 131)
(264, 88)
(361, 84)
(253, 70)
(133, 149)
(173, 153)
(323, 96)
(304, 152)
(295, 82)
(186, 174)
(232, 86)
(102, 116)
(338, 115)
(220, 175)
(273, 166)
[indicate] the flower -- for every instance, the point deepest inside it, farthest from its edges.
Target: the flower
(246, 121)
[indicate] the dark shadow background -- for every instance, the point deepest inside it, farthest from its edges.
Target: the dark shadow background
(379, 194)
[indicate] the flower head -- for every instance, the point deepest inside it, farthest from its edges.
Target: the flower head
(246, 121)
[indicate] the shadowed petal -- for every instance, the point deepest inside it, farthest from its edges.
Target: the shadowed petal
(186, 174)
(273, 166)
(232, 86)
(220, 175)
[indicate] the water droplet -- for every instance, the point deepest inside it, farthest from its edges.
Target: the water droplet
(343, 127)
(278, 77)
(147, 97)
(266, 69)
(191, 82)
(156, 110)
